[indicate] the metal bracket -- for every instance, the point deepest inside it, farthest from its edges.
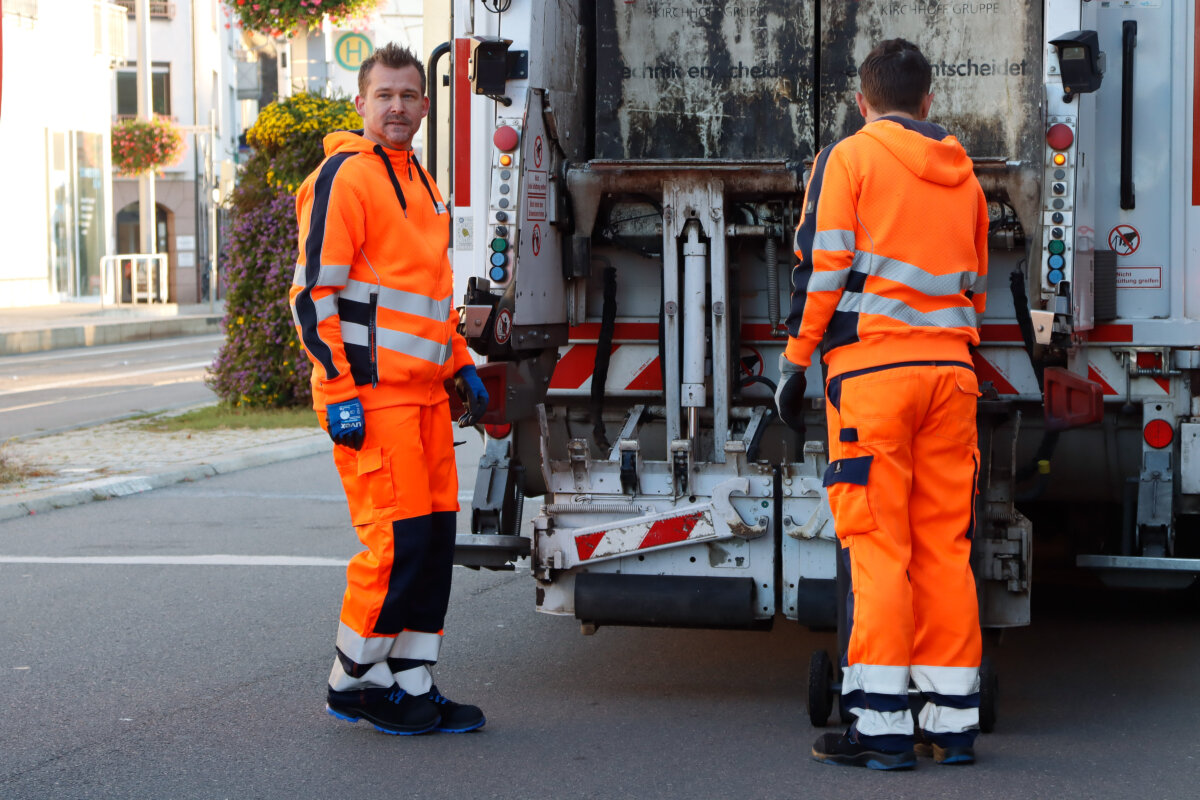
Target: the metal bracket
(729, 515)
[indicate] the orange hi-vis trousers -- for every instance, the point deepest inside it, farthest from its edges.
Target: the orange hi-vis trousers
(402, 488)
(902, 477)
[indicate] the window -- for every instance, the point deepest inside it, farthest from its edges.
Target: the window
(160, 79)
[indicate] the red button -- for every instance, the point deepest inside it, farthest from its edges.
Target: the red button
(1158, 433)
(1060, 136)
(506, 138)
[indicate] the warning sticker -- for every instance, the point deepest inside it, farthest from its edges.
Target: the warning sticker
(536, 242)
(537, 208)
(1139, 277)
(1124, 240)
(503, 328)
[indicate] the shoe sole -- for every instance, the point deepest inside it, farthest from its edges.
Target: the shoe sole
(467, 729)
(870, 760)
(949, 757)
(351, 717)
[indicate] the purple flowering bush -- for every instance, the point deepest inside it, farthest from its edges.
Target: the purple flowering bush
(261, 364)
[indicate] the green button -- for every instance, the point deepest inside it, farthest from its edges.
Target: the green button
(1056, 247)
(499, 245)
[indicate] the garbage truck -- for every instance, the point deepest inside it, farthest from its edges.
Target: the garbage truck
(626, 179)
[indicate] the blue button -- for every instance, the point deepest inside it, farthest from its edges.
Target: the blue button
(498, 274)
(1054, 276)
(1056, 262)
(499, 259)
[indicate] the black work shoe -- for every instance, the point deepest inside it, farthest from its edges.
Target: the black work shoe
(456, 717)
(951, 754)
(393, 710)
(840, 749)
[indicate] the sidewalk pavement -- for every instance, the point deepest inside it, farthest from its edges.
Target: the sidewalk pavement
(36, 329)
(122, 458)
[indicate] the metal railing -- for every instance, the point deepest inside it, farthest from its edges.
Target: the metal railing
(21, 8)
(158, 8)
(110, 19)
(147, 278)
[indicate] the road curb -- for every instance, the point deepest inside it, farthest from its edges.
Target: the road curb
(76, 494)
(22, 342)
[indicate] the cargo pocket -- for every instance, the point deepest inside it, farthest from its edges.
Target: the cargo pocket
(367, 478)
(849, 497)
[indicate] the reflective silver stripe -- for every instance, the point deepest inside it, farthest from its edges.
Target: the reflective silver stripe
(828, 280)
(295, 315)
(363, 649)
(326, 306)
(417, 645)
(417, 680)
(980, 285)
(378, 676)
(883, 723)
(875, 679)
(943, 719)
(867, 303)
(398, 300)
(913, 276)
(836, 239)
(327, 275)
(954, 681)
(396, 341)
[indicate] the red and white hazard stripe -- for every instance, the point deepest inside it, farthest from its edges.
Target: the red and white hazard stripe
(695, 525)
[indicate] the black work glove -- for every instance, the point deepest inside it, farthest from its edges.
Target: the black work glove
(789, 395)
(474, 396)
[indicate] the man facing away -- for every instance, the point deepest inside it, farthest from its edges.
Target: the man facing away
(372, 299)
(894, 231)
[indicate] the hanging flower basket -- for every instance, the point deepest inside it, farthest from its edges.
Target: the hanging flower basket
(141, 146)
(280, 17)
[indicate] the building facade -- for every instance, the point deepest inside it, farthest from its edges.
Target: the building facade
(55, 120)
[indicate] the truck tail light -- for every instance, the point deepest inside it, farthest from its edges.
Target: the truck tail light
(1158, 433)
(498, 431)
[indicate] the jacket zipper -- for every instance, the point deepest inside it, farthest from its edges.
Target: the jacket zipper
(371, 340)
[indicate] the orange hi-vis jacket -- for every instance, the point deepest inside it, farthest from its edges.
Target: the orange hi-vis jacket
(881, 290)
(372, 296)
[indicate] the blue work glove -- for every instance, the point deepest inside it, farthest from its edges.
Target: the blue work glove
(789, 395)
(347, 426)
(474, 396)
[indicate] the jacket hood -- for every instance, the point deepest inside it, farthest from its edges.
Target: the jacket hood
(925, 148)
(356, 142)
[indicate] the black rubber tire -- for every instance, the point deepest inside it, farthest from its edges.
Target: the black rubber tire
(820, 688)
(989, 691)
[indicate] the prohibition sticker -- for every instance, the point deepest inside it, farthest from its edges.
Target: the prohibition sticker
(536, 242)
(751, 361)
(503, 328)
(1124, 240)
(537, 152)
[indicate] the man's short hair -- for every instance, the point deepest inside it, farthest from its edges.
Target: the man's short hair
(390, 55)
(895, 76)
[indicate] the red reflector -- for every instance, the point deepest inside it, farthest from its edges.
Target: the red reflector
(1149, 360)
(1158, 433)
(497, 431)
(505, 138)
(1060, 136)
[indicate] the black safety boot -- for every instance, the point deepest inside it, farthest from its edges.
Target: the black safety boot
(456, 717)
(391, 710)
(842, 749)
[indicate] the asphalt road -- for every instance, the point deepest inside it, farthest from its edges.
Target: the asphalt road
(181, 679)
(43, 392)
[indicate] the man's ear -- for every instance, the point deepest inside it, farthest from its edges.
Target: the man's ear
(925, 106)
(863, 108)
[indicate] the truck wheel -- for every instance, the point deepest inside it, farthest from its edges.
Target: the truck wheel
(989, 689)
(820, 688)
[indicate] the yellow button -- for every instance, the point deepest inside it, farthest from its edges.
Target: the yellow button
(505, 160)
(1060, 159)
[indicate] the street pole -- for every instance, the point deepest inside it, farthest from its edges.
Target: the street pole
(145, 112)
(216, 198)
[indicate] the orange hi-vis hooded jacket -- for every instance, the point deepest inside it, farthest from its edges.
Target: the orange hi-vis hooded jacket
(893, 250)
(373, 290)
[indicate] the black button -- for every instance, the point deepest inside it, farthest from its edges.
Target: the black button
(1059, 174)
(501, 230)
(1057, 233)
(1057, 218)
(1058, 203)
(506, 174)
(501, 216)
(1059, 188)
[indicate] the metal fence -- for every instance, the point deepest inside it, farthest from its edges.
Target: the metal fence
(133, 278)
(21, 8)
(158, 8)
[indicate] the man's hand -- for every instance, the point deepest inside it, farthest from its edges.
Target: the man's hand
(347, 425)
(789, 396)
(474, 396)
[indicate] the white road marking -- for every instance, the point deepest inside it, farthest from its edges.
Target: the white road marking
(207, 561)
(33, 358)
(107, 377)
